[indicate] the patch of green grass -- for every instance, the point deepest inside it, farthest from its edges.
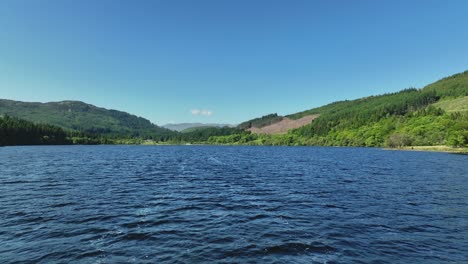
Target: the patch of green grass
(453, 105)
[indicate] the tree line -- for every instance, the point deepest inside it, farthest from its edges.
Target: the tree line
(15, 131)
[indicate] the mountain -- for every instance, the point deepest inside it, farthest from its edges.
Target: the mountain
(434, 115)
(79, 116)
(184, 126)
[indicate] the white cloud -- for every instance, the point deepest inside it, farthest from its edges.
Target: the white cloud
(202, 112)
(206, 112)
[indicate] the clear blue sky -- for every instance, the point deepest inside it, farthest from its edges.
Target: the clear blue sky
(225, 61)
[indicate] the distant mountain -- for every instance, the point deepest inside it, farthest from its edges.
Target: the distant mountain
(79, 116)
(183, 126)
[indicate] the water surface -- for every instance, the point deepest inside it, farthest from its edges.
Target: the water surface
(204, 204)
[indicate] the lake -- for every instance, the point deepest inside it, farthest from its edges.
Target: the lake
(213, 204)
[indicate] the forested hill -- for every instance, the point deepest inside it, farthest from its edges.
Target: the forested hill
(79, 116)
(433, 115)
(396, 103)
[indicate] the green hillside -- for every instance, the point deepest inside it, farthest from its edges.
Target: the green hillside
(432, 115)
(451, 87)
(79, 116)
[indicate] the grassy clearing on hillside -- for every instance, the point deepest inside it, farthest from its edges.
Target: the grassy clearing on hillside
(453, 105)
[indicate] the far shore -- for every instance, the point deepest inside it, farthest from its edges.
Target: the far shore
(443, 148)
(447, 149)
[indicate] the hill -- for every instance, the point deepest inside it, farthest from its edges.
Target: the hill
(433, 115)
(79, 116)
(447, 88)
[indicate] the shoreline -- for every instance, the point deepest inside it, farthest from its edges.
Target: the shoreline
(440, 148)
(445, 149)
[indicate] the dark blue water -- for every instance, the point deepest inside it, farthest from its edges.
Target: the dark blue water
(201, 204)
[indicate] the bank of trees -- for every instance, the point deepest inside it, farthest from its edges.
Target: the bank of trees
(202, 135)
(14, 131)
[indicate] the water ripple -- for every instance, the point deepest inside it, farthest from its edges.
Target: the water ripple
(201, 204)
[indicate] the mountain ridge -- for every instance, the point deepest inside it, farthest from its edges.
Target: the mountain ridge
(80, 116)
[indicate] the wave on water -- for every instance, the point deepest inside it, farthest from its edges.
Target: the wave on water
(194, 204)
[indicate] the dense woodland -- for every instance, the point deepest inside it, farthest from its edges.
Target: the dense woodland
(14, 131)
(203, 134)
(434, 115)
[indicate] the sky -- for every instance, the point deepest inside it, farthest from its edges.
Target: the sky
(225, 61)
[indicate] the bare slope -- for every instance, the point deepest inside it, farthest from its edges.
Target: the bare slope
(283, 126)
